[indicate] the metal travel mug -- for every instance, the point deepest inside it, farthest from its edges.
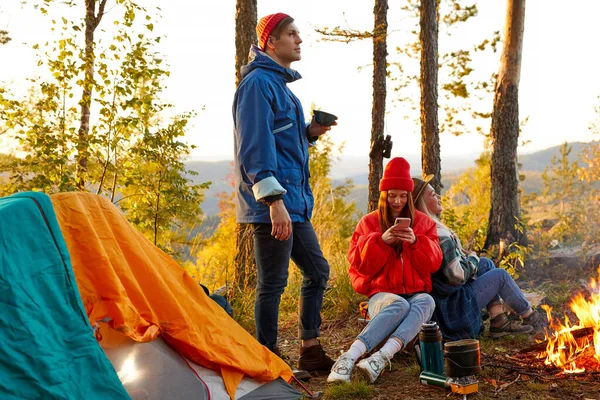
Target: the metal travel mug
(432, 355)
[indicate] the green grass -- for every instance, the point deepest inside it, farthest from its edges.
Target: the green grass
(350, 390)
(492, 372)
(502, 345)
(535, 386)
(341, 297)
(242, 302)
(412, 369)
(571, 385)
(559, 293)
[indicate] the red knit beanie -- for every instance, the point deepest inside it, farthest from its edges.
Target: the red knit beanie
(397, 176)
(265, 27)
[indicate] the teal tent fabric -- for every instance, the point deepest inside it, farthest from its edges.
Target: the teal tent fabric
(47, 346)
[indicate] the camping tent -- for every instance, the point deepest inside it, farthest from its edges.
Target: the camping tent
(153, 370)
(163, 335)
(47, 346)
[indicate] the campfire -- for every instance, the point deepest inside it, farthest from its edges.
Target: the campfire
(569, 353)
(575, 348)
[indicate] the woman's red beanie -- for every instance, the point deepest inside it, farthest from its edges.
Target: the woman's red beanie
(397, 176)
(265, 27)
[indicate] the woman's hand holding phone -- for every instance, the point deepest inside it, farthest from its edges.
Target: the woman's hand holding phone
(406, 235)
(399, 232)
(390, 237)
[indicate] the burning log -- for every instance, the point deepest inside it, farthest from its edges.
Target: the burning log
(539, 347)
(572, 348)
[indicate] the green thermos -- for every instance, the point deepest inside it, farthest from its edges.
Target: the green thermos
(429, 378)
(432, 355)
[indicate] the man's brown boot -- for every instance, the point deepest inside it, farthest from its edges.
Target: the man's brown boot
(298, 373)
(313, 358)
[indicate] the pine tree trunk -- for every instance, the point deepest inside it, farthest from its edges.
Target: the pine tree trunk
(245, 265)
(430, 134)
(83, 151)
(379, 95)
(505, 212)
(245, 36)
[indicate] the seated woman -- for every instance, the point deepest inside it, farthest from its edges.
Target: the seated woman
(392, 264)
(466, 283)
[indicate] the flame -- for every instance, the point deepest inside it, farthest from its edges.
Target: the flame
(566, 351)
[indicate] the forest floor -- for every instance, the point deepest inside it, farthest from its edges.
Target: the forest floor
(506, 373)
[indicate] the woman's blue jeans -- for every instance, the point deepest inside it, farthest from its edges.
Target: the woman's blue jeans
(494, 283)
(396, 316)
(272, 261)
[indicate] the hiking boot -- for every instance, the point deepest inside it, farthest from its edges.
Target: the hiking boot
(313, 358)
(537, 319)
(502, 325)
(342, 369)
(371, 367)
(299, 374)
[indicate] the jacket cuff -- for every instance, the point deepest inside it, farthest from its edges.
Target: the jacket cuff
(267, 187)
(268, 200)
(473, 258)
(312, 140)
(417, 242)
(379, 241)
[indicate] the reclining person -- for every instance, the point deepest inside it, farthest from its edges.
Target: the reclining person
(466, 283)
(392, 264)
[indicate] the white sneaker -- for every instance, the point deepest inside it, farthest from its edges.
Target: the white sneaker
(342, 369)
(372, 366)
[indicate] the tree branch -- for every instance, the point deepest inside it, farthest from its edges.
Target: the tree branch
(338, 34)
(100, 13)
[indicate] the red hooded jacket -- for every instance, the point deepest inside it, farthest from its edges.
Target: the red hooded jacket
(375, 267)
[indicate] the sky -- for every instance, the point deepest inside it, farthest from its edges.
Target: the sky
(558, 89)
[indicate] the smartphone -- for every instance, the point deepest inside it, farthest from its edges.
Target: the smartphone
(402, 222)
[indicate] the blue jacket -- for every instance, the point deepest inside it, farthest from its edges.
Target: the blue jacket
(270, 143)
(456, 309)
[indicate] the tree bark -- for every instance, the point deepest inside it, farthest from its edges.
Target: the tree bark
(245, 36)
(91, 23)
(430, 134)
(245, 264)
(505, 212)
(379, 96)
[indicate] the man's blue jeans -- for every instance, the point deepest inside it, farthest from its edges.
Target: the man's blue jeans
(494, 283)
(396, 316)
(272, 261)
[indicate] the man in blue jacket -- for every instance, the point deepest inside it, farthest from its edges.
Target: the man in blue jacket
(272, 189)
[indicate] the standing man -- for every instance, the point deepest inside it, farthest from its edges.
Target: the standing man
(272, 189)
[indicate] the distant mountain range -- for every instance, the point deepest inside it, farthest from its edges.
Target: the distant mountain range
(357, 168)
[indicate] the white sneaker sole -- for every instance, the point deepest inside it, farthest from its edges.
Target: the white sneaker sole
(337, 378)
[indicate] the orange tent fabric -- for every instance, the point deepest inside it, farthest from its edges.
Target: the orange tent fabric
(142, 292)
